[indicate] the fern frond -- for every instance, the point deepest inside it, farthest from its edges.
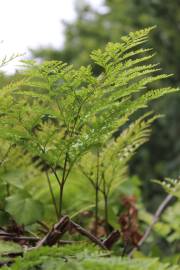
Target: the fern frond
(171, 186)
(60, 113)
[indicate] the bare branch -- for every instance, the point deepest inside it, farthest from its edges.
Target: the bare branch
(56, 232)
(156, 217)
(84, 232)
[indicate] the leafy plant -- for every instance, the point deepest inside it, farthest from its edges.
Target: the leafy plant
(58, 113)
(58, 120)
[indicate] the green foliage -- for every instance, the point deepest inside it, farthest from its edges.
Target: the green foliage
(171, 186)
(58, 113)
(82, 257)
(16, 173)
(92, 29)
(115, 155)
(24, 208)
(7, 247)
(170, 230)
(172, 214)
(59, 123)
(72, 121)
(106, 168)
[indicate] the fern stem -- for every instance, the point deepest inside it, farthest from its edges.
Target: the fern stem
(106, 218)
(62, 185)
(105, 192)
(97, 195)
(61, 191)
(52, 195)
(56, 176)
(96, 209)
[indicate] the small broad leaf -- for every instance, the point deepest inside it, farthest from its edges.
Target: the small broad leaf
(7, 247)
(24, 208)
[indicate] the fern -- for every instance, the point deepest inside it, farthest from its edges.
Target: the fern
(6, 59)
(110, 168)
(59, 113)
(82, 257)
(171, 186)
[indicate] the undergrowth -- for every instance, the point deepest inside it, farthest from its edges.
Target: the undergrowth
(82, 257)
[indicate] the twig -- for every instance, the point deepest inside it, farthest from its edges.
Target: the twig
(20, 238)
(112, 239)
(84, 232)
(56, 232)
(3, 233)
(156, 217)
(12, 237)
